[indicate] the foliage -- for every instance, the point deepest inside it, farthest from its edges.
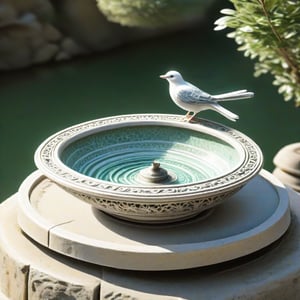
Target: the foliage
(268, 31)
(151, 13)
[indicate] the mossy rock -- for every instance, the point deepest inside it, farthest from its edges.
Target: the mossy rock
(152, 13)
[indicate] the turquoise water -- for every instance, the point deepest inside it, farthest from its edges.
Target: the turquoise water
(119, 155)
(42, 100)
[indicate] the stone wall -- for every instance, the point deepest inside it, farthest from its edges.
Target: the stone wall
(37, 31)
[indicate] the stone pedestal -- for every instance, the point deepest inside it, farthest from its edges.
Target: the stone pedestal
(250, 220)
(32, 270)
(287, 162)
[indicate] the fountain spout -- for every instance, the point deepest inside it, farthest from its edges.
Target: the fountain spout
(155, 174)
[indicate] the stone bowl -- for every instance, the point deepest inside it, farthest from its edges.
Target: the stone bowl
(101, 161)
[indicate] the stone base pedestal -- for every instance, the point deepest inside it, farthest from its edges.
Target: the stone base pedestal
(31, 271)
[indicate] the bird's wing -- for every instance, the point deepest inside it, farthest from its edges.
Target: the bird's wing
(193, 95)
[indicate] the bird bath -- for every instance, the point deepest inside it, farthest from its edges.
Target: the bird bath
(107, 163)
(159, 194)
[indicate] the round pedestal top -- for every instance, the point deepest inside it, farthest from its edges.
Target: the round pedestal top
(253, 218)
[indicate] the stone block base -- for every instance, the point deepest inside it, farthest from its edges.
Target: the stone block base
(31, 271)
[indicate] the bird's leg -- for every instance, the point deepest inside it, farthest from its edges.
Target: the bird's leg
(186, 116)
(191, 117)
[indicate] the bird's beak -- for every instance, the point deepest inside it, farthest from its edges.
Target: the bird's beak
(163, 76)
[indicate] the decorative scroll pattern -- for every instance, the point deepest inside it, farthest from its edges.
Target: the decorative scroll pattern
(47, 161)
(155, 210)
(43, 286)
(118, 296)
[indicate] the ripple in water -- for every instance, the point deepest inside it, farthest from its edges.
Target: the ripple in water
(119, 155)
(124, 166)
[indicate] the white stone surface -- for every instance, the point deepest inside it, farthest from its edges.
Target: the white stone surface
(274, 275)
(29, 272)
(250, 220)
(3, 297)
(13, 271)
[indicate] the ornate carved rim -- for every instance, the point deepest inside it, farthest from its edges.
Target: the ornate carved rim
(47, 159)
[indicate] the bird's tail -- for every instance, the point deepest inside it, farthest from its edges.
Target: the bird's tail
(225, 112)
(237, 95)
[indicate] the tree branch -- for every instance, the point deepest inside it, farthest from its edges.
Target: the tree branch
(282, 51)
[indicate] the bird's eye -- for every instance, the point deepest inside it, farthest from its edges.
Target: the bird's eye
(171, 76)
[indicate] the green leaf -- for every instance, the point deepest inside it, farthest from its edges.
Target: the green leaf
(268, 31)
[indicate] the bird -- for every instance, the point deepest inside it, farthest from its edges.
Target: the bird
(193, 100)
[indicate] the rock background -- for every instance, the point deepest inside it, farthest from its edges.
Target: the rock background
(38, 31)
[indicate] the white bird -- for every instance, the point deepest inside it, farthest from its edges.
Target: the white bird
(192, 99)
